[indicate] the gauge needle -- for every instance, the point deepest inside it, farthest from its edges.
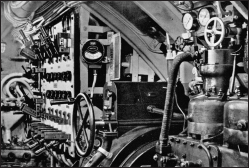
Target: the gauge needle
(188, 20)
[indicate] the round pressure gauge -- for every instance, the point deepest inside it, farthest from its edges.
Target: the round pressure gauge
(92, 51)
(204, 15)
(189, 21)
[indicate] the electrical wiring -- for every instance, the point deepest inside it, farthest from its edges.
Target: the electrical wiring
(237, 50)
(94, 82)
(45, 7)
(184, 122)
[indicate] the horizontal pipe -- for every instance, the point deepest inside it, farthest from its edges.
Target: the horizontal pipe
(147, 123)
(153, 109)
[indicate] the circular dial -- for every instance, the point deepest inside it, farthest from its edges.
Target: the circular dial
(92, 51)
(93, 56)
(189, 21)
(204, 16)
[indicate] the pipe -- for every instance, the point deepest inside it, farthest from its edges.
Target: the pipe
(241, 8)
(102, 153)
(8, 77)
(168, 107)
(21, 80)
(27, 8)
(20, 13)
(19, 91)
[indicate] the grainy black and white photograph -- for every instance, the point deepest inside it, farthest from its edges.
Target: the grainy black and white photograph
(124, 84)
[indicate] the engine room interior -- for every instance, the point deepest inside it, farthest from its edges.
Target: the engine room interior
(124, 83)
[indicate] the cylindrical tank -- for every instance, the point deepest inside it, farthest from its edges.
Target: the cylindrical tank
(217, 70)
(236, 122)
(205, 116)
(205, 112)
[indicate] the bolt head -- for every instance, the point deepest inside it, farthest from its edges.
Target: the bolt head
(155, 157)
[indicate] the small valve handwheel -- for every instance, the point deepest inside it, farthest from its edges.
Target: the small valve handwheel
(83, 125)
(215, 31)
(179, 43)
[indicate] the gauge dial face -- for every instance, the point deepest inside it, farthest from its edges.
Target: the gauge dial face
(93, 56)
(204, 16)
(92, 51)
(188, 21)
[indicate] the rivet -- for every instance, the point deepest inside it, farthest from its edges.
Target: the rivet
(184, 142)
(178, 140)
(208, 147)
(192, 144)
(199, 146)
(184, 156)
(215, 158)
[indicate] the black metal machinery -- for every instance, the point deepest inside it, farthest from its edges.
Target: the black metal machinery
(141, 124)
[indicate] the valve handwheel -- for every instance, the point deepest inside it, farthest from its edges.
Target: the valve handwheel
(179, 43)
(84, 141)
(211, 34)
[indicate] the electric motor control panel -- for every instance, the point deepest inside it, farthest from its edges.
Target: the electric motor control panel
(58, 81)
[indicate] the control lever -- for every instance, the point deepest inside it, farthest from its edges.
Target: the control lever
(26, 52)
(46, 147)
(36, 49)
(36, 123)
(25, 40)
(49, 42)
(46, 129)
(62, 101)
(30, 139)
(44, 48)
(36, 144)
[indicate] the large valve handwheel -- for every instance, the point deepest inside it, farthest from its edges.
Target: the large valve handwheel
(212, 34)
(83, 125)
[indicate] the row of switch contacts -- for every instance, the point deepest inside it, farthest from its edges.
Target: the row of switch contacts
(58, 94)
(56, 76)
(57, 116)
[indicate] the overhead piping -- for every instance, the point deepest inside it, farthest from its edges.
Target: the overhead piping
(20, 12)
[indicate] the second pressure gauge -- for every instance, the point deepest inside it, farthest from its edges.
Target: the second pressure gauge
(189, 21)
(204, 15)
